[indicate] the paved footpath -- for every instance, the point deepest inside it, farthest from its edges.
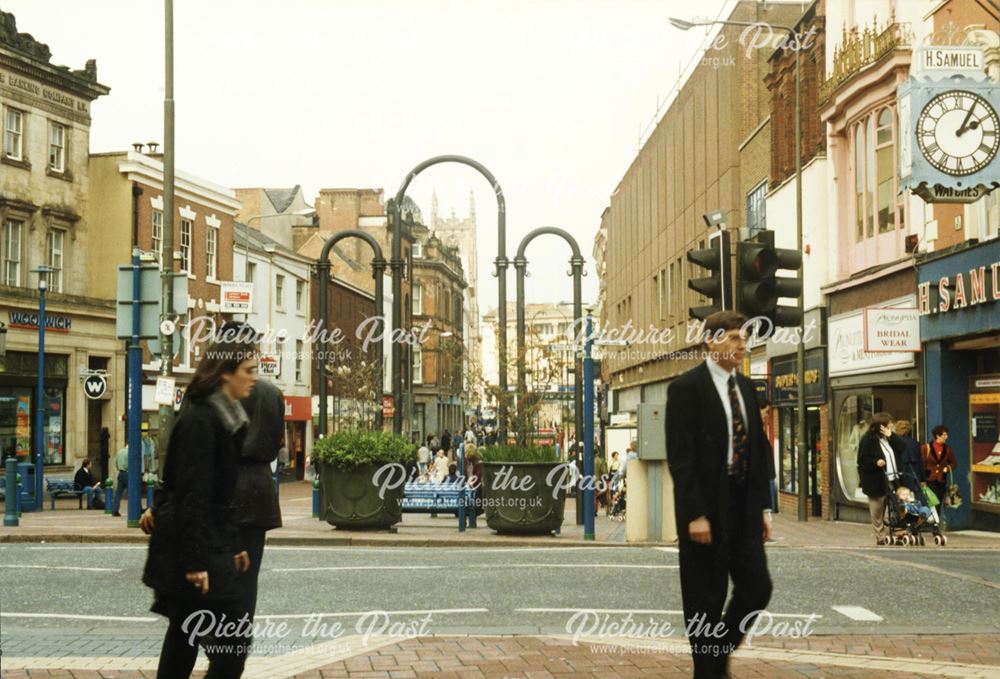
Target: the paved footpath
(534, 657)
(70, 524)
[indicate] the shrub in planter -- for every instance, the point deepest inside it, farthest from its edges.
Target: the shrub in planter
(523, 488)
(362, 474)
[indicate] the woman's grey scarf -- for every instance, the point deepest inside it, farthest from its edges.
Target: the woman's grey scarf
(231, 412)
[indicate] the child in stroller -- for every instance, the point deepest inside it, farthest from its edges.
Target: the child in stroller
(907, 513)
(616, 507)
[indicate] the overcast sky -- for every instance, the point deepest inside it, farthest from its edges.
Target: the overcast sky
(550, 95)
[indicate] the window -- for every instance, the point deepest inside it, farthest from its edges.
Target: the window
(251, 271)
(186, 246)
(298, 361)
(418, 299)
(57, 147)
(417, 251)
(300, 293)
(418, 365)
(876, 199)
(211, 258)
(279, 292)
(55, 259)
(12, 252)
(13, 135)
(757, 209)
(671, 287)
(158, 235)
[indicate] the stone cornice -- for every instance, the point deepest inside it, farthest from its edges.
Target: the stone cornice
(60, 77)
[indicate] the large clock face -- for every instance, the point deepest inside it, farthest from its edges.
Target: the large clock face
(957, 132)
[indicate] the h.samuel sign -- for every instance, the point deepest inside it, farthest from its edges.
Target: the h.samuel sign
(979, 285)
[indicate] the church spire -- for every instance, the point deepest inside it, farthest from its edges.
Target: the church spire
(472, 206)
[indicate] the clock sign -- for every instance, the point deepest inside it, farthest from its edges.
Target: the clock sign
(957, 132)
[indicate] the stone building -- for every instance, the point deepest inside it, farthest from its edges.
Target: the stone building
(44, 197)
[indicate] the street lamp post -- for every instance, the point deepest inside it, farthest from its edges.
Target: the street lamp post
(800, 425)
(43, 284)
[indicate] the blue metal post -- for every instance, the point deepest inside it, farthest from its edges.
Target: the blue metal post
(149, 496)
(588, 435)
(10, 492)
(20, 490)
(316, 498)
(39, 401)
(135, 402)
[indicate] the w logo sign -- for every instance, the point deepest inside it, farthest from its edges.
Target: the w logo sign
(95, 386)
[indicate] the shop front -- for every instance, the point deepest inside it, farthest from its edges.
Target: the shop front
(298, 435)
(959, 302)
(784, 397)
(863, 382)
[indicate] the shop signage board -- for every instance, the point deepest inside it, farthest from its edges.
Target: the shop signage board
(949, 126)
(784, 379)
(846, 353)
(29, 321)
(892, 330)
(237, 297)
(269, 365)
(95, 386)
(960, 290)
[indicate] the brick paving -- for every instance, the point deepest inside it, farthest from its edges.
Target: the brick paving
(551, 658)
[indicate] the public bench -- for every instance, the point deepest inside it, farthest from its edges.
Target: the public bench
(454, 497)
(63, 488)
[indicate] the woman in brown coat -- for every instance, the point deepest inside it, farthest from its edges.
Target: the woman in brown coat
(939, 459)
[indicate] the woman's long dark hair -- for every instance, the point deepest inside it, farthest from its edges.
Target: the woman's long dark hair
(878, 420)
(235, 343)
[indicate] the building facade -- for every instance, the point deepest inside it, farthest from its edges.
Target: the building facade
(44, 195)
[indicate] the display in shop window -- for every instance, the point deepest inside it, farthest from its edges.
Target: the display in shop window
(984, 407)
(22, 426)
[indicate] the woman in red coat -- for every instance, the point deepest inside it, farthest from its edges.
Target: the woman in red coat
(939, 459)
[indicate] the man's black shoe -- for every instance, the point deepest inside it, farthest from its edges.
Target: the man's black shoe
(116, 514)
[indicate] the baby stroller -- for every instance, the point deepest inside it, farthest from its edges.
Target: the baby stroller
(616, 507)
(906, 527)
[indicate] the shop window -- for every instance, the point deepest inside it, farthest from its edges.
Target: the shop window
(17, 421)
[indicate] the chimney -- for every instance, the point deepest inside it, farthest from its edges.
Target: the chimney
(137, 147)
(152, 145)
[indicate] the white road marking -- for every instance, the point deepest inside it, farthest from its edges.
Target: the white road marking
(356, 568)
(473, 566)
(64, 616)
(62, 568)
(641, 611)
(857, 613)
(358, 614)
(669, 550)
(76, 546)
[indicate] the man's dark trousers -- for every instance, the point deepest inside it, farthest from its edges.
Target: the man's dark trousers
(705, 573)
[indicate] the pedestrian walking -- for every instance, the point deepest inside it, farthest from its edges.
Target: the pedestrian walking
(877, 454)
(121, 464)
(196, 552)
(446, 441)
(939, 459)
(721, 463)
(909, 462)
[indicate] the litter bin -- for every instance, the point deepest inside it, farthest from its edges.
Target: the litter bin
(28, 500)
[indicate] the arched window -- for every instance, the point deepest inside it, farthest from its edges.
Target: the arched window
(875, 175)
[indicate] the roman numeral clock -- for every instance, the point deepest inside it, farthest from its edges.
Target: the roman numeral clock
(949, 150)
(957, 132)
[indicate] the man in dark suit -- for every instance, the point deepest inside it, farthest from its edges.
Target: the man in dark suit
(84, 481)
(722, 466)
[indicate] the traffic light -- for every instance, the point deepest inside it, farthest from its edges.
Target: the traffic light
(717, 286)
(758, 288)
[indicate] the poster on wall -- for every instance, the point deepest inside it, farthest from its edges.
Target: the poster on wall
(22, 427)
(53, 428)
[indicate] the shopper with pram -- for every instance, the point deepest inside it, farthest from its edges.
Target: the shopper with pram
(877, 467)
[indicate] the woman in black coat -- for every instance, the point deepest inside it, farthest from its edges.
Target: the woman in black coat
(195, 552)
(877, 454)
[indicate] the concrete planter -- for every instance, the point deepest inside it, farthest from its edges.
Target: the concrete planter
(515, 506)
(351, 500)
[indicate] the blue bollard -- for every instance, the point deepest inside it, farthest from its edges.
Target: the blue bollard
(20, 489)
(316, 498)
(10, 492)
(109, 494)
(149, 496)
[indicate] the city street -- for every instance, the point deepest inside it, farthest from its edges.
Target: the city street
(86, 601)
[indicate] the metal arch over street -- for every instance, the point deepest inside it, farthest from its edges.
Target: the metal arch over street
(576, 262)
(323, 270)
(501, 263)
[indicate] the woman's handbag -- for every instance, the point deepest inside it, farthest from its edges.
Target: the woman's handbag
(953, 497)
(931, 496)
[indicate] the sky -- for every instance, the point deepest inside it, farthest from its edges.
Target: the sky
(550, 95)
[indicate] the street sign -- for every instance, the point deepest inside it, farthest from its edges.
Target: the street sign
(269, 365)
(388, 406)
(237, 297)
(167, 327)
(95, 386)
(165, 390)
(149, 300)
